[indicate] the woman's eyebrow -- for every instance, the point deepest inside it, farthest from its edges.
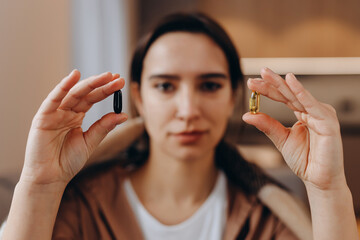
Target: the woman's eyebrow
(164, 76)
(213, 75)
(201, 76)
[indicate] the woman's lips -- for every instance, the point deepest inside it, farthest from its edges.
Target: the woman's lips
(189, 137)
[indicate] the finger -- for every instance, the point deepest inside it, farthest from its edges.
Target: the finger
(83, 88)
(271, 127)
(267, 89)
(99, 94)
(279, 83)
(311, 105)
(84, 106)
(96, 133)
(53, 100)
(115, 76)
(118, 140)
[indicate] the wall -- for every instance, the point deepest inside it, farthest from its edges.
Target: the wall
(103, 39)
(151, 11)
(35, 55)
(290, 28)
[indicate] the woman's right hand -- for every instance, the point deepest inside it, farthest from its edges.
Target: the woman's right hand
(57, 148)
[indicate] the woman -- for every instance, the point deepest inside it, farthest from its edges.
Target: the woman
(184, 79)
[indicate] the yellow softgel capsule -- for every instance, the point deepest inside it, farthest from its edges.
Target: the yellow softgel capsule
(254, 102)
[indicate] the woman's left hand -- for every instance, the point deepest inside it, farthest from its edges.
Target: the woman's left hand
(312, 147)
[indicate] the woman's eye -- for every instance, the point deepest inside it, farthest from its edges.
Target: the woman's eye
(165, 87)
(210, 86)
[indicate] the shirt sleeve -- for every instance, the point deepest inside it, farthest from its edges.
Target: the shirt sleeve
(2, 228)
(67, 224)
(264, 224)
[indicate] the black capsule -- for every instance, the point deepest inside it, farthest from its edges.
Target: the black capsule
(117, 101)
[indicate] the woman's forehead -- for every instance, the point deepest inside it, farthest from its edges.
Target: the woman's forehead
(184, 51)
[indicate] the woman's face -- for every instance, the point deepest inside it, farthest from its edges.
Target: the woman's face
(185, 95)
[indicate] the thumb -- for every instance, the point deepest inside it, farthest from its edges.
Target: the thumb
(98, 131)
(270, 126)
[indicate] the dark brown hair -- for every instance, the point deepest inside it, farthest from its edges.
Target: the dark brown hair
(193, 23)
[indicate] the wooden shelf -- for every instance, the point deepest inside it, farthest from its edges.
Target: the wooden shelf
(303, 66)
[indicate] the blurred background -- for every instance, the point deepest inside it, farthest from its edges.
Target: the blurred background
(42, 41)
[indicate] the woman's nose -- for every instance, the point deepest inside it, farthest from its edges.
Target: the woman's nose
(188, 105)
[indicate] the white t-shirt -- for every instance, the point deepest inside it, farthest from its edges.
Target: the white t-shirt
(207, 223)
(2, 228)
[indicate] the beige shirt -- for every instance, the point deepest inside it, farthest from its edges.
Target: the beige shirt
(94, 206)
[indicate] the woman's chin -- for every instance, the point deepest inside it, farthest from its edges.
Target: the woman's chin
(190, 154)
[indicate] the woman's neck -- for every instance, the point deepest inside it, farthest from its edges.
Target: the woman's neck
(182, 181)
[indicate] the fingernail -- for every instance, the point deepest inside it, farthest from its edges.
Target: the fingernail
(105, 73)
(124, 117)
(265, 70)
(291, 75)
(256, 80)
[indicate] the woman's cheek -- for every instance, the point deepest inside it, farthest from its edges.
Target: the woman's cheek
(156, 112)
(220, 110)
